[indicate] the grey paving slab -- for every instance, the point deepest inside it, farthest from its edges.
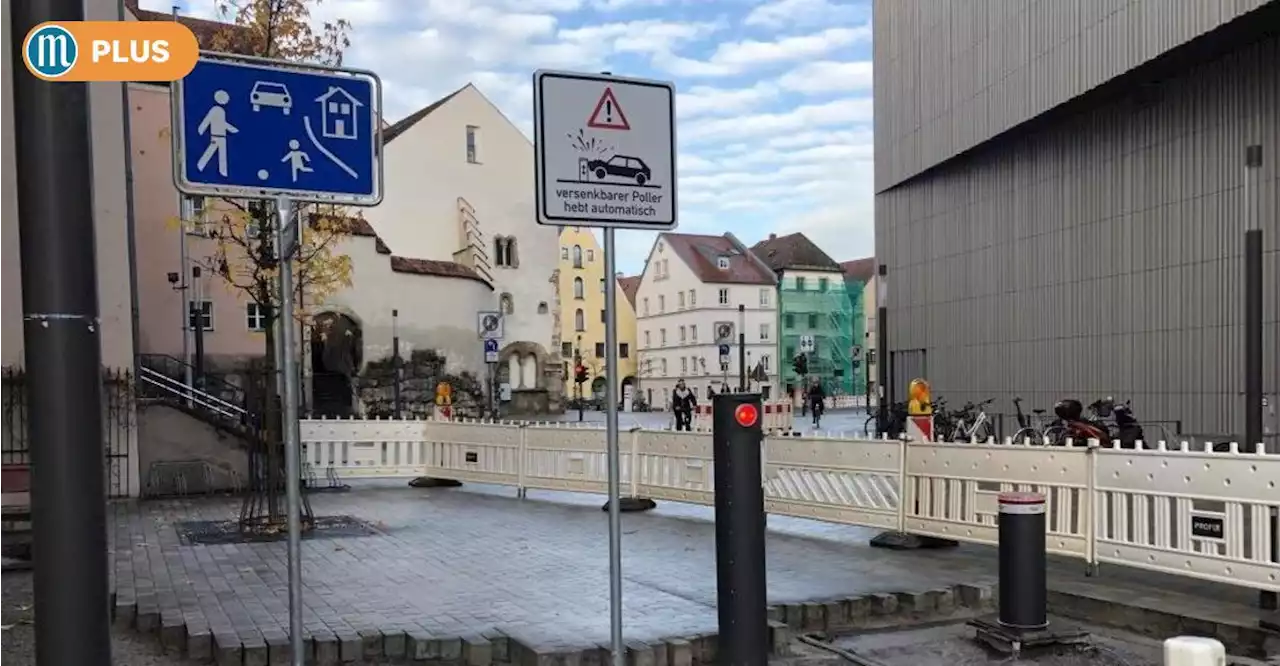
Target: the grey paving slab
(452, 565)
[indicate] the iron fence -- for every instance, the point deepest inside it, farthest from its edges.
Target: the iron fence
(119, 422)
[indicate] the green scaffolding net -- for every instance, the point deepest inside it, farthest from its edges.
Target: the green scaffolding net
(830, 313)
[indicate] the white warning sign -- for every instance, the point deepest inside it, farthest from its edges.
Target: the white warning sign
(605, 151)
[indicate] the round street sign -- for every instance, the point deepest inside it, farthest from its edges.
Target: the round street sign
(490, 322)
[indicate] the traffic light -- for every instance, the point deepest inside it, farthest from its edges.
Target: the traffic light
(580, 373)
(800, 364)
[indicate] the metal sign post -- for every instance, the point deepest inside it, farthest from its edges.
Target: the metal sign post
(605, 156)
(266, 129)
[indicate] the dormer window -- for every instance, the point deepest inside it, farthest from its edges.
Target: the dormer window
(722, 262)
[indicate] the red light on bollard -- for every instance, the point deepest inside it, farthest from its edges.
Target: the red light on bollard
(746, 415)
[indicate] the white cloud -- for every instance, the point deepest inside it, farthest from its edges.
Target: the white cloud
(783, 13)
(710, 101)
(738, 57)
(825, 77)
(835, 113)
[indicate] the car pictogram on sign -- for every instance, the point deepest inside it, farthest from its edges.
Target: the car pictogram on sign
(621, 166)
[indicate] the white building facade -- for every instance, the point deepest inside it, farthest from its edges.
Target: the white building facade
(458, 188)
(689, 295)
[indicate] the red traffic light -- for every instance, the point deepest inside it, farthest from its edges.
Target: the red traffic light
(746, 415)
(580, 370)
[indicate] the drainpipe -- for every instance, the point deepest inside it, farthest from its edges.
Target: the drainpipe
(135, 312)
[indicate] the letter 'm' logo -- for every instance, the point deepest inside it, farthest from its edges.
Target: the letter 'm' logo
(50, 51)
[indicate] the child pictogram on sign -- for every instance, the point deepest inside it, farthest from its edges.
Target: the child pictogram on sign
(608, 113)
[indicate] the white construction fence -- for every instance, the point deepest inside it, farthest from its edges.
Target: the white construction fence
(1198, 513)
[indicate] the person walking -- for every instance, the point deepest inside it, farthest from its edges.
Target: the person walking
(683, 403)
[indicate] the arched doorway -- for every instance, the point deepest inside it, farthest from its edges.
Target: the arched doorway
(337, 354)
(627, 393)
(598, 388)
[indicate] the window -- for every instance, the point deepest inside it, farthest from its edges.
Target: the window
(722, 263)
(602, 285)
(662, 304)
(624, 350)
(591, 256)
(664, 367)
(724, 296)
(566, 349)
(800, 283)
(577, 288)
(255, 317)
(693, 332)
(813, 321)
(472, 155)
(646, 306)
(564, 253)
(604, 318)
(788, 320)
(680, 300)
(599, 350)
(662, 337)
(764, 362)
(206, 314)
(666, 272)
(764, 297)
(791, 352)
(822, 284)
(579, 324)
(682, 332)
(693, 298)
(764, 332)
(196, 211)
(504, 251)
(577, 256)
(647, 342)
(684, 365)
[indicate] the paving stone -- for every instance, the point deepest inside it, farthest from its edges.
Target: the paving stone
(501, 645)
(640, 653)
(325, 648)
(393, 643)
(422, 646)
(833, 615)
(944, 599)
(125, 613)
(278, 648)
(679, 652)
(779, 638)
(884, 604)
(370, 643)
(451, 649)
(476, 651)
(857, 608)
(173, 633)
(199, 643)
(913, 602)
(227, 650)
(975, 596)
(776, 613)
(814, 615)
(255, 650)
(350, 647)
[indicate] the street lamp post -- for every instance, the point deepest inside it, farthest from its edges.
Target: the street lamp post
(577, 385)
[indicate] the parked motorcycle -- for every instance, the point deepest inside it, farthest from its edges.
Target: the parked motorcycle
(1105, 422)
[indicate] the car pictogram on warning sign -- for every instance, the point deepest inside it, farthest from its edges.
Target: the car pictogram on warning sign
(621, 166)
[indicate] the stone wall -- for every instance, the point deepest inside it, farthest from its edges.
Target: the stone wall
(421, 372)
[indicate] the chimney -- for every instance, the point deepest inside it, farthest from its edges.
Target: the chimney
(773, 236)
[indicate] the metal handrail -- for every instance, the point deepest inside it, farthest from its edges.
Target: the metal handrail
(179, 366)
(195, 395)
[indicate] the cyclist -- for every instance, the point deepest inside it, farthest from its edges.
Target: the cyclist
(817, 401)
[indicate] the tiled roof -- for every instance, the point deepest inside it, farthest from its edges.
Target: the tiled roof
(859, 269)
(205, 30)
(701, 253)
(448, 269)
(793, 251)
(630, 285)
(412, 119)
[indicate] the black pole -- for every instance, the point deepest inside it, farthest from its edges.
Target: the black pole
(741, 592)
(577, 385)
(1253, 337)
(395, 362)
(63, 354)
(1022, 566)
(196, 308)
(882, 353)
(742, 348)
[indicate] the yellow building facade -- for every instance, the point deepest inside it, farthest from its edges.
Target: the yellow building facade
(582, 317)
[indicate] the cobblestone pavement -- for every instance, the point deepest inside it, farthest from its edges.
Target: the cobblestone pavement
(462, 562)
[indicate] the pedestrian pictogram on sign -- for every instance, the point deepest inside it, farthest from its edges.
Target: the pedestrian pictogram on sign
(608, 113)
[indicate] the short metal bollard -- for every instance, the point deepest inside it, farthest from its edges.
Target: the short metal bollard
(1023, 580)
(1194, 651)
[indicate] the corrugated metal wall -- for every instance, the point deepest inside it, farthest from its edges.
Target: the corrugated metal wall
(1098, 256)
(950, 74)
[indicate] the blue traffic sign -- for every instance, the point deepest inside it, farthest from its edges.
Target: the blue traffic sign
(491, 346)
(724, 350)
(252, 128)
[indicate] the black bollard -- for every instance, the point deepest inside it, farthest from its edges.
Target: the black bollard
(1023, 584)
(741, 595)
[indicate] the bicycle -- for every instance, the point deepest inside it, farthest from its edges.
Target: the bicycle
(896, 425)
(981, 430)
(1034, 428)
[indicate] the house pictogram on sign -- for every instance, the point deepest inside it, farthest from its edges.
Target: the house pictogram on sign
(608, 113)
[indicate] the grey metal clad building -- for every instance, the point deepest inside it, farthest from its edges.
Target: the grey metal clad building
(1061, 199)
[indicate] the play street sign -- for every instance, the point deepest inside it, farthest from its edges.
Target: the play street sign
(604, 150)
(253, 128)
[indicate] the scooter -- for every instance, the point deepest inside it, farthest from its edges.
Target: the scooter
(1079, 430)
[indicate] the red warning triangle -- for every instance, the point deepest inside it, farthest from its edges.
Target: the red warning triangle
(608, 113)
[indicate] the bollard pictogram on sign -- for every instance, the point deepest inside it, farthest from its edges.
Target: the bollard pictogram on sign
(736, 438)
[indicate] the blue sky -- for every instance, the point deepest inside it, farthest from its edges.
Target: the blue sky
(774, 105)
